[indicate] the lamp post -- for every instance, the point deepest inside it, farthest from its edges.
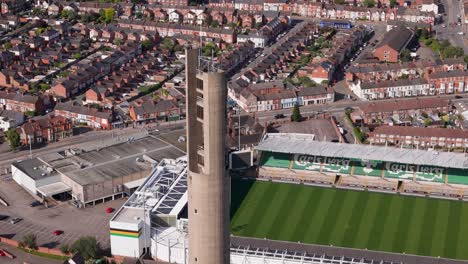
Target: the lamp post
(238, 112)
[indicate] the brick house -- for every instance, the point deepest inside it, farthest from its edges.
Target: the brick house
(455, 81)
(317, 72)
(382, 112)
(419, 136)
(315, 95)
(147, 110)
(21, 102)
(45, 129)
(84, 115)
(393, 44)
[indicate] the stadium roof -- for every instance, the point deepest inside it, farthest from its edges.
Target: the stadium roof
(304, 144)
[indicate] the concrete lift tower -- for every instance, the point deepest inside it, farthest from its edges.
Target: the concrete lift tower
(208, 180)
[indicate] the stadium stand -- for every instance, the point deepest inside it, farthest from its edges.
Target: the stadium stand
(368, 168)
(363, 165)
(276, 160)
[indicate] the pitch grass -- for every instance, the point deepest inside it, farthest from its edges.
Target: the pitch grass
(356, 219)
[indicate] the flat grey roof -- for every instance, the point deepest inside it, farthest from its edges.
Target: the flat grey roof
(34, 168)
(115, 161)
(303, 144)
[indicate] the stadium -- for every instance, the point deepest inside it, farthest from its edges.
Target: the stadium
(297, 157)
(360, 209)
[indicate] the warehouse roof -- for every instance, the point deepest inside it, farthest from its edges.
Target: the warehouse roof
(303, 144)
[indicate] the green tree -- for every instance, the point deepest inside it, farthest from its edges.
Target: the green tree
(87, 246)
(7, 46)
(210, 49)
(77, 56)
(405, 55)
(118, 41)
(147, 45)
(368, 3)
(68, 14)
(393, 3)
(65, 249)
(340, 2)
(325, 82)
(296, 114)
(466, 58)
(44, 87)
(107, 15)
(452, 52)
(29, 241)
(214, 23)
(13, 138)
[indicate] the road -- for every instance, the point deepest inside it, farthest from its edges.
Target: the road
(87, 140)
(338, 106)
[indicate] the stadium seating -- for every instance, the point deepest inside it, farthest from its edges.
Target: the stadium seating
(372, 168)
(277, 160)
(430, 173)
(398, 171)
(368, 168)
(457, 176)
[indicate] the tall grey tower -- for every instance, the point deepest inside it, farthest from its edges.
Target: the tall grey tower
(208, 181)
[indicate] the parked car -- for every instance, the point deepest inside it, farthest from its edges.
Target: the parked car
(279, 116)
(35, 203)
(3, 217)
(2, 254)
(109, 210)
(15, 220)
(58, 232)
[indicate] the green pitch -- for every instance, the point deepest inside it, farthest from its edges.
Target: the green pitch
(385, 222)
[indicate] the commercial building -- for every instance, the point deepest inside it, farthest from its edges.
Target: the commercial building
(94, 176)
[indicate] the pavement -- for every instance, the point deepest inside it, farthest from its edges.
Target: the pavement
(453, 10)
(41, 221)
(23, 257)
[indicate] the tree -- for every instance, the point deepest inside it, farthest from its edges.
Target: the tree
(65, 249)
(258, 25)
(29, 241)
(117, 41)
(296, 115)
(466, 58)
(68, 14)
(368, 3)
(7, 46)
(107, 15)
(393, 3)
(87, 246)
(147, 45)
(44, 87)
(77, 56)
(452, 52)
(210, 49)
(13, 138)
(340, 2)
(214, 23)
(405, 55)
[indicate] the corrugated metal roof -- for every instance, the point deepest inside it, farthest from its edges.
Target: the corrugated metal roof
(304, 144)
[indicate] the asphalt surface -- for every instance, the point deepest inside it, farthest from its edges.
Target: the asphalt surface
(453, 10)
